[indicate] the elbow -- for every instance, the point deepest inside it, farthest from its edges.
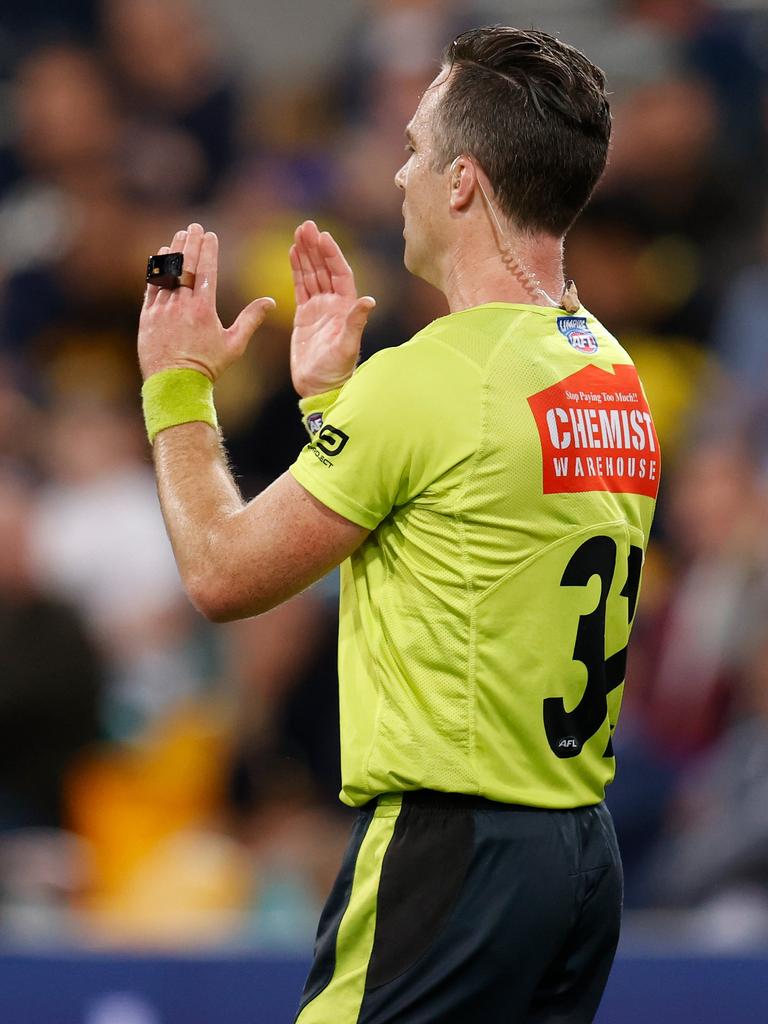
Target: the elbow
(220, 601)
(212, 600)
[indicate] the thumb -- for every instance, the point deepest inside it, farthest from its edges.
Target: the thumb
(249, 320)
(358, 315)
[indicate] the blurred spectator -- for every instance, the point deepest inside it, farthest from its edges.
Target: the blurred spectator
(44, 873)
(28, 20)
(19, 424)
(51, 677)
(685, 666)
(283, 666)
(67, 128)
(296, 843)
(66, 276)
(716, 848)
(722, 47)
(741, 341)
(396, 50)
(178, 95)
(98, 539)
(668, 181)
(695, 637)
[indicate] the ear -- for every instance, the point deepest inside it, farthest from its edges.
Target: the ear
(462, 179)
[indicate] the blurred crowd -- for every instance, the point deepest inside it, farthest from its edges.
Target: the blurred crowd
(165, 781)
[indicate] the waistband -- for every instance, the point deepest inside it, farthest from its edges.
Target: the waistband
(433, 798)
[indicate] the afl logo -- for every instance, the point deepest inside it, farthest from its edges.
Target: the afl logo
(568, 746)
(574, 329)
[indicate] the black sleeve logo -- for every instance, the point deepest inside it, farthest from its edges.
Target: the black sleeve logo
(331, 441)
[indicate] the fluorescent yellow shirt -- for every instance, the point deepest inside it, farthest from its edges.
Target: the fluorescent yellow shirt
(506, 461)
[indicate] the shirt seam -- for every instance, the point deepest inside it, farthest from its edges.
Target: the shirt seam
(470, 585)
(593, 528)
(381, 696)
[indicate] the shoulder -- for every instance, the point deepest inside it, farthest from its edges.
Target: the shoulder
(430, 345)
(421, 387)
(428, 358)
(607, 341)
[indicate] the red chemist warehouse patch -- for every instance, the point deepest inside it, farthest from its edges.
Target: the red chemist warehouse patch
(597, 434)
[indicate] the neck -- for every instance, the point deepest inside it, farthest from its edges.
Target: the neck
(520, 270)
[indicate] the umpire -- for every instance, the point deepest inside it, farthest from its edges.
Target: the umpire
(489, 488)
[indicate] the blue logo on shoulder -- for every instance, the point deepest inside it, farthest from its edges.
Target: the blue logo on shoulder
(315, 422)
(577, 334)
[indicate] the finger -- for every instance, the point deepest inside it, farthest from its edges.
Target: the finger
(192, 245)
(342, 278)
(178, 240)
(177, 245)
(208, 266)
(248, 321)
(307, 270)
(312, 238)
(150, 292)
(298, 278)
(358, 315)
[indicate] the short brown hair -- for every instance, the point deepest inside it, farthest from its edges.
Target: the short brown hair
(534, 114)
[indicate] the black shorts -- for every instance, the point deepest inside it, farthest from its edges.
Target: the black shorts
(451, 909)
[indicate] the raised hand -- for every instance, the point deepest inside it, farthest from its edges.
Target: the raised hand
(330, 318)
(180, 328)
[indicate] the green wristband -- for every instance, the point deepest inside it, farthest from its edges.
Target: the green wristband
(312, 408)
(172, 397)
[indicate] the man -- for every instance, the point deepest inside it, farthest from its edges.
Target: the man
(489, 487)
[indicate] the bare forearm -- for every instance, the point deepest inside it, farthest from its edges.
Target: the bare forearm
(198, 497)
(236, 559)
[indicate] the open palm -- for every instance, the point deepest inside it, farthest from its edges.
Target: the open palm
(330, 318)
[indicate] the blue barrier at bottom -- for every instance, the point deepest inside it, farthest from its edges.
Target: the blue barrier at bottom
(250, 989)
(96, 989)
(686, 990)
